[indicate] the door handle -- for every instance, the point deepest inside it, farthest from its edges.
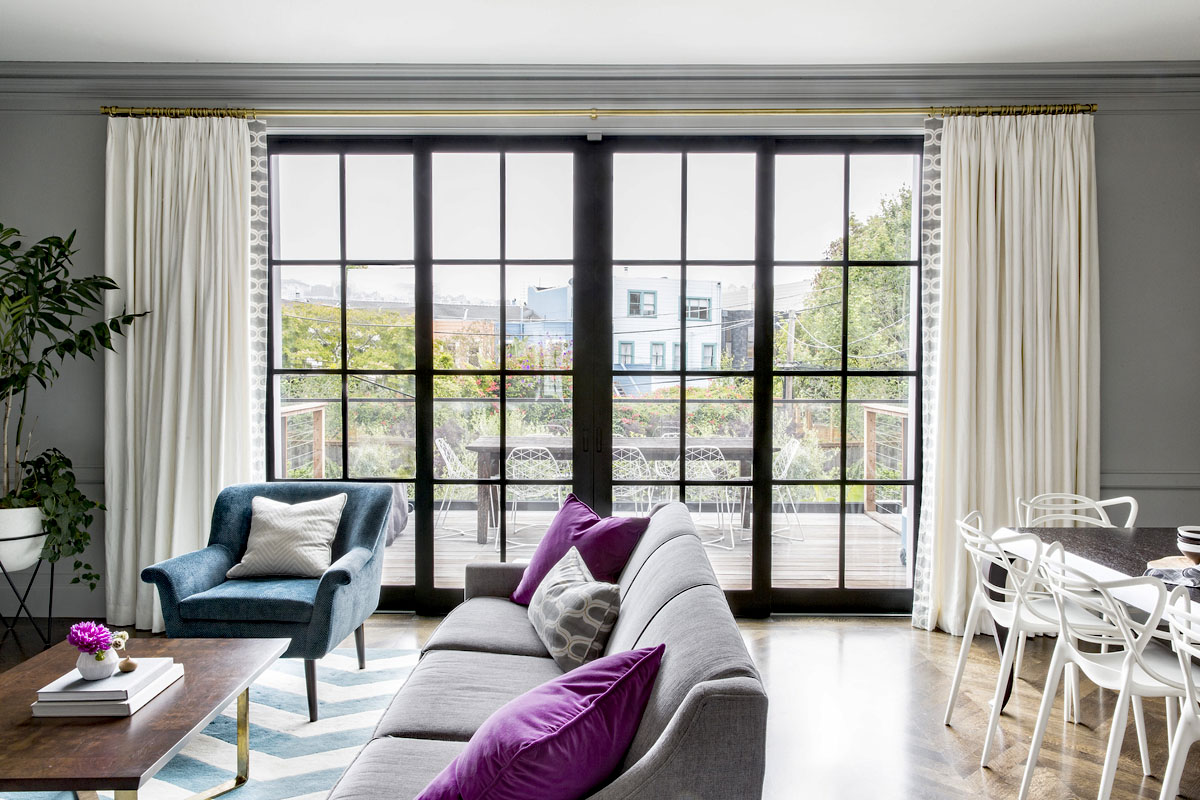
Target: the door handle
(585, 441)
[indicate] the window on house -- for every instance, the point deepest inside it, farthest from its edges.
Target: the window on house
(625, 353)
(643, 304)
(708, 356)
(699, 308)
(675, 356)
(658, 355)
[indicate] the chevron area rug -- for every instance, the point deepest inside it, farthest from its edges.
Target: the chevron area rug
(289, 756)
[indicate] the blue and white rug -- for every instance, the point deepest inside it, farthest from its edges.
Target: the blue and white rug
(289, 756)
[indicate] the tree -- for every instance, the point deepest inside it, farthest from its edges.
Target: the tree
(879, 320)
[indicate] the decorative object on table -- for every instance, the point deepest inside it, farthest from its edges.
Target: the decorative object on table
(604, 544)
(118, 694)
(560, 740)
(44, 319)
(1188, 541)
(573, 613)
(1169, 562)
(1186, 576)
(97, 647)
(316, 614)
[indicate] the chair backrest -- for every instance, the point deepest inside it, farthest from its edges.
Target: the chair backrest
(707, 463)
(1072, 508)
(1090, 611)
(364, 517)
(532, 463)
(785, 457)
(1015, 581)
(629, 464)
(455, 468)
(1183, 616)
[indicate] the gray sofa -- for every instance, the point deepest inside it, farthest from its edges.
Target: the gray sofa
(703, 734)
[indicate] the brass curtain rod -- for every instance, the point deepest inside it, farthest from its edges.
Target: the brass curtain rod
(596, 113)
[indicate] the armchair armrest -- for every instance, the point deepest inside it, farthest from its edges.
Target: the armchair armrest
(186, 575)
(492, 580)
(342, 571)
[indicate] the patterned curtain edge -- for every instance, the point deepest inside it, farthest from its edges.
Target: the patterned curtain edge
(924, 615)
(258, 300)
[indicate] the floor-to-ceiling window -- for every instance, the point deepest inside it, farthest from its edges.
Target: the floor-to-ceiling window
(488, 324)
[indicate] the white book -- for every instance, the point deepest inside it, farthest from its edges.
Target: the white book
(109, 708)
(121, 686)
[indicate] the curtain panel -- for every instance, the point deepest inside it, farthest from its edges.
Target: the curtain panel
(178, 392)
(1014, 398)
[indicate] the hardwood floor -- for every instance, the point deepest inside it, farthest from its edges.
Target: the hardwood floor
(856, 712)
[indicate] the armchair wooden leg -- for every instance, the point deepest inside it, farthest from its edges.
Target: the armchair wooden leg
(360, 644)
(310, 681)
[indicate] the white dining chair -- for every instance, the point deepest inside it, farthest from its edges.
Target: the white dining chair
(531, 463)
(1184, 619)
(1090, 611)
(456, 469)
(704, 463)
(630, 464)
(1014, 598)
(1072, 508)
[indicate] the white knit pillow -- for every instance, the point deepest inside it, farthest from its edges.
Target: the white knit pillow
(290, 540)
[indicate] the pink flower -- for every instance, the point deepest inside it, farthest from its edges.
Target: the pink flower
(90, 637)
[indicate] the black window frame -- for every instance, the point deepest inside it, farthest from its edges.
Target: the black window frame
(595, 270)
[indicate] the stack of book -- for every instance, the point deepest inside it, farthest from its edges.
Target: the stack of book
(117, 696)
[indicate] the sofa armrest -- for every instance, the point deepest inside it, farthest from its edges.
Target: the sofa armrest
(492, 580)
(181, 577)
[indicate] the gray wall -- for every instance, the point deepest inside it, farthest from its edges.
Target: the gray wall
(52, 182)
(1148, 159)
(1148, 167)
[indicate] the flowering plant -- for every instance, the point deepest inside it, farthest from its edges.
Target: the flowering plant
(95, 639)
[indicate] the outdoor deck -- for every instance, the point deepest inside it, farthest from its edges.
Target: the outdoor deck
(872, 551)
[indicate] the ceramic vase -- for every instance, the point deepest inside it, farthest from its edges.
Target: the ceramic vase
(93, 670)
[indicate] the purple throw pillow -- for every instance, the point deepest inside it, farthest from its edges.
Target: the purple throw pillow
(559, 740)
(605, 545)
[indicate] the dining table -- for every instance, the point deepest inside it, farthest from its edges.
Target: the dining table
(1105, 554)
(735, 449)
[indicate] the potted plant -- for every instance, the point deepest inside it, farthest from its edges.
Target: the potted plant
(45, 318)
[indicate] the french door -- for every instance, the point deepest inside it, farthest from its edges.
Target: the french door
(489, 324)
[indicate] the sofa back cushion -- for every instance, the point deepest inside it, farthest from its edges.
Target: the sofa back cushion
(702, 644)
(678, 563)
(666, 522)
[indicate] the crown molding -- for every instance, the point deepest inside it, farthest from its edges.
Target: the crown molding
(80, 87)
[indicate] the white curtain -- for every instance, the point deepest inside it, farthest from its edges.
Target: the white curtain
(177, 393)
(1018, 341)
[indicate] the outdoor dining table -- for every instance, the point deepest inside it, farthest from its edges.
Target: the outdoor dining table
(1105, 554)
(653, 448)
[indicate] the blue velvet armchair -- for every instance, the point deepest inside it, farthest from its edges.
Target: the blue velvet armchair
(198, 601)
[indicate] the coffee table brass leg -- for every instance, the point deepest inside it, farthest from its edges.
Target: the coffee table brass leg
(127, 794)
(243, 754)
(243, 737)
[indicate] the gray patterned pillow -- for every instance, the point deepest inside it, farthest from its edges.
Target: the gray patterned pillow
(572, 613)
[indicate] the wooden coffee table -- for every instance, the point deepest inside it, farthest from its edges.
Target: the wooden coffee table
(87, 754)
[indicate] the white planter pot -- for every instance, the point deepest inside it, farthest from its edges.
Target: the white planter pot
(18, 553)
(93, 670)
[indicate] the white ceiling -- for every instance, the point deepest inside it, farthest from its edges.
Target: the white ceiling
(600, 31)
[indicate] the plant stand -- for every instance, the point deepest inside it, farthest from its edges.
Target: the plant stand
(22, 597)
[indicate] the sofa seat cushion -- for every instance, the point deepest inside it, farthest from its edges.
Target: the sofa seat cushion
(257, 599)
(394, 768)
(451, 692)
(488, 625)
